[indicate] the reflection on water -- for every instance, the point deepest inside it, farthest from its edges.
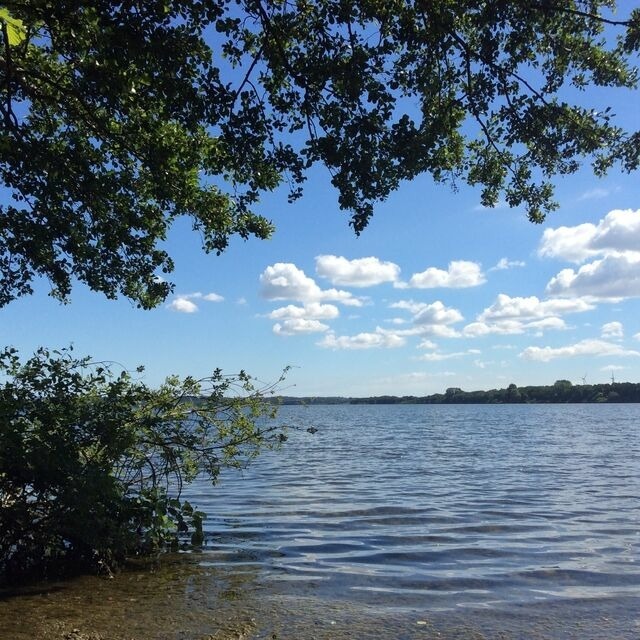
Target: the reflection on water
(396, 522)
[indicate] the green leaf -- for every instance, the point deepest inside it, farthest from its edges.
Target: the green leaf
(16, 31)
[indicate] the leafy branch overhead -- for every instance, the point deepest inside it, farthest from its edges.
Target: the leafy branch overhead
(120, 117)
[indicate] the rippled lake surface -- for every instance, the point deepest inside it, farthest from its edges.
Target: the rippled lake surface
(496, 520)
(392, 523)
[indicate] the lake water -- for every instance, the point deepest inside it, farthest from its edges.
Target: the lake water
(514, 519)
(395, 523)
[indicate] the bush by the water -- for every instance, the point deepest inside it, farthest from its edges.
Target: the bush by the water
(92, 461)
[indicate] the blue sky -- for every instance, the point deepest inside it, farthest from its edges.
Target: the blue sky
(437, 292)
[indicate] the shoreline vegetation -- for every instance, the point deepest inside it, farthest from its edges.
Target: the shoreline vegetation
(93, 461)
(561, 392)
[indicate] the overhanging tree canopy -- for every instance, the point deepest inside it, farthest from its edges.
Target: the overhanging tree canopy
(119, 117)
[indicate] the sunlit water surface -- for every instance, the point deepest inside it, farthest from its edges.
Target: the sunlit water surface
(419, 522)
(477, 513)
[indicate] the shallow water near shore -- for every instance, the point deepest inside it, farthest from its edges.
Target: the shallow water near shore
(394, 522)
(180, 599)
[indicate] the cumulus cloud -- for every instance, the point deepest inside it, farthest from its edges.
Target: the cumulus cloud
(513, 327)
(185, 303)
(284, 281)
(460, 274)
(612, 330)
(507, 308)
(310, 311)
(512, 316)
(568, 243)
(409, 305)
(504, 264)
(583, 348)
(380, 339)
(431, 318)
(295, 326)
(439, 331)
(618, 232)
(611, 278)
(212, 297)
(182, 304)
(437, 313)
(361, 272)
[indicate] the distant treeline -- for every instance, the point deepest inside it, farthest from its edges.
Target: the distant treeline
(562, 391)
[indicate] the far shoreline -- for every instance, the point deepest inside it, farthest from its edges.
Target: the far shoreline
(561, 392)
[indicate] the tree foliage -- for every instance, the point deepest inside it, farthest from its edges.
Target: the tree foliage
(121, 116)
(92, 463)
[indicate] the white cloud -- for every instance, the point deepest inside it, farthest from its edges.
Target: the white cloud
(427, 344)
(582, 348)
(557, 324)
(438, 331)
(182, 304)
(429, 313)
(460, 274)
(437, 313)
(185, 303)
(409, 305)
(310, 311)
(213, 297)
(284, 281)
(241, 301)
(361, 272)
(618, 232)
(504, 263)
(636, 336)
(506, 327)
(513, 327)
(294, 326)
(430, 318)
(411, 331)
(612, 330)
(512, 316)
(380, 339)
(611, 278)
(568, 243)
(437, 356)
(505, 307)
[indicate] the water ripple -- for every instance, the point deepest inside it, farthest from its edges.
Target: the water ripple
(440, 507)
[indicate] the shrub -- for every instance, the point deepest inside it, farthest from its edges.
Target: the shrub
(92, 462)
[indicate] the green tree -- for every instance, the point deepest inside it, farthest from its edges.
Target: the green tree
(120, 117)
(92, 462)
(513, 393)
